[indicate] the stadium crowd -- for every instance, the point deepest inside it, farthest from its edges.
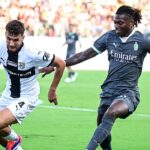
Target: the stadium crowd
(51, 18)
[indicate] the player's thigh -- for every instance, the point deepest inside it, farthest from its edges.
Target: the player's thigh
(117, 109)
(6, 118)
(22, 107)
(131, 100)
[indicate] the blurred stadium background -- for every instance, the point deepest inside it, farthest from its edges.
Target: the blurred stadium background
(46, 22)
(51, 17)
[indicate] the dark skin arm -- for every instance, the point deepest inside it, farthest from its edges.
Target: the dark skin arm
(80, 57)
(76, 59)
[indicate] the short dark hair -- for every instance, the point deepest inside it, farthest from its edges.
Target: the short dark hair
(134, 13)
(15, 27)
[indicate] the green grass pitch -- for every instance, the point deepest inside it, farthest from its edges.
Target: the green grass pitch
(70, 125)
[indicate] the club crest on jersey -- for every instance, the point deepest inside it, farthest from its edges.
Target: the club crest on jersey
(21, 65)
(136, 46)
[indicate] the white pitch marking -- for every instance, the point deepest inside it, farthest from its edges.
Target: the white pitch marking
(85, 110)
(68, 108)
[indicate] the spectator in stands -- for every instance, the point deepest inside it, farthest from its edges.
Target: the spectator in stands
(90, 14)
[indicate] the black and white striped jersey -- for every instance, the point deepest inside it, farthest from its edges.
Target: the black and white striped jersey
(22, 70)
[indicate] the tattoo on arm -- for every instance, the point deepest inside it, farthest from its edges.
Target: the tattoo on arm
(80, 57)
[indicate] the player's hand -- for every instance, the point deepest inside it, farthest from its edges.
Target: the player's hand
(46, 70)
(52, 97)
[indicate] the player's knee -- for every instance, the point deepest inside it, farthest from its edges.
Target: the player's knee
(113, 113)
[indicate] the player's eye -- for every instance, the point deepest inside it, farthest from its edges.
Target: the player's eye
(118, 22)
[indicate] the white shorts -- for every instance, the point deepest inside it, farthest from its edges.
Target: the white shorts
(20, 107)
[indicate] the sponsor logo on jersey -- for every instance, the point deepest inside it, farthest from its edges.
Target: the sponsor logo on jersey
(20, 73)
(11, 63)
(121, 57)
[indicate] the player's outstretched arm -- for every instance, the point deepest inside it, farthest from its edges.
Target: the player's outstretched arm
(59, 65)
(77, 58)
(80, 57)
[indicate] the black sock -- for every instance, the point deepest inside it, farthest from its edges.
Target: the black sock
(69, 74)
(101, 133)
(106, 144)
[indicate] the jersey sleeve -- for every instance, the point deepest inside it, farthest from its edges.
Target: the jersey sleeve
(100, 44)
(43, 59)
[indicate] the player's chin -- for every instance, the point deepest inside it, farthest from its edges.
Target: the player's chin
(12, 49)
(118, 32)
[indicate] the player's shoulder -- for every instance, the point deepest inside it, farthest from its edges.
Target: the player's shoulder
(27, 51)
(36, 53)
(138, 33)
(140, 36)
(111, 33)
(142, 39)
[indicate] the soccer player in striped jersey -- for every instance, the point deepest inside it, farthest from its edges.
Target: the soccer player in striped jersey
(20, 96)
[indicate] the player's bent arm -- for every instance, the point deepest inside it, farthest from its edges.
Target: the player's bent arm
(59, 65)
(77, 58)
(80, 57)
(46, 70)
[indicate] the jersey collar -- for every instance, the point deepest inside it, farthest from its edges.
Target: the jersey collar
(124, 39)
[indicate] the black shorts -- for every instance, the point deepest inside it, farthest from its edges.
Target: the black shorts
(131, 98)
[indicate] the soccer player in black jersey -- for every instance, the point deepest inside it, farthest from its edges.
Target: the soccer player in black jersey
(20, 96)
(72, 37)
(126, 48)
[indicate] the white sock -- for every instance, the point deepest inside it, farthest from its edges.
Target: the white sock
(12, 136)
(19, 148)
